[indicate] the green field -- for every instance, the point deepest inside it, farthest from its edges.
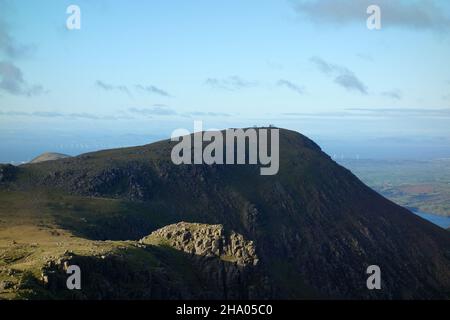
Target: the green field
(419, 185)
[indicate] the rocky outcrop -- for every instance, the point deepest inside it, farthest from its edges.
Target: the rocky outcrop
(116, 275)
(226, 262)
(179, 261)
(208, 241)
(132, 181)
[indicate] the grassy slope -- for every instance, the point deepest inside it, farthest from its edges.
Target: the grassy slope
(44, 227)
(32, 233)
(29, 237)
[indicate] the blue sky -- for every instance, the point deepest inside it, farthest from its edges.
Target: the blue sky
(139, 69)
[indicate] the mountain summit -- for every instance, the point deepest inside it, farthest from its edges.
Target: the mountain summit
(314, 228)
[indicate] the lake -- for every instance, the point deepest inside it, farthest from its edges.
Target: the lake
(441, 221)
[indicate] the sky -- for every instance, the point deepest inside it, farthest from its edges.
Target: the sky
(137, 70)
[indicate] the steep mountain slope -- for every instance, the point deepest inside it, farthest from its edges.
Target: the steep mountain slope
(315, 226)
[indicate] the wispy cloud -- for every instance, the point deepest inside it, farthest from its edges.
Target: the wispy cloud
(110, 87)
(408, 14)
(12, 81)
(403, 112)
(342, 75)
(12, 49)
(365, 56)
(231, 83)
(8, 44)
(153, 111)
(207, 114)
(291, 86)
(350, 82)
(11, 76)
(55, 114)
(393, 94)
(129, 114)
(124, 88)
(153, 90)
(374, 113)
(317, 114)
(163, 110)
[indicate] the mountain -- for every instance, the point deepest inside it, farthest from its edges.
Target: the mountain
(48, 156)
(141, 227)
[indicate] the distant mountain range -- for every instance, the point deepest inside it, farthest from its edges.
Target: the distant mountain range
(141, 227)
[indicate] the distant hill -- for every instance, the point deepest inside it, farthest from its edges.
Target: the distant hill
(48, 156)
(310, 231)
